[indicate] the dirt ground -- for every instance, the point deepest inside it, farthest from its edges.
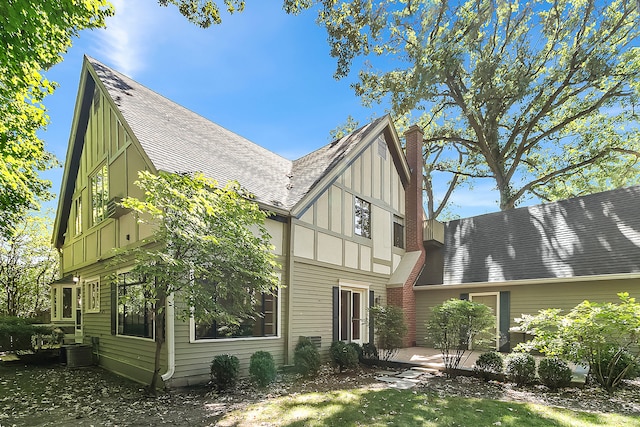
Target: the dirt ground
(60, 396)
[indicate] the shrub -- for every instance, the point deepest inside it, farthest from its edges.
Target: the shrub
(369, 352)
(521, 368)
(599, 335)
(554, 373)
(614, 365)
(489, 363)
(225, 369)
(17, 334)
(454, 325)
(306, 358)
(357, 348)
(390, 329)
(262, 368)
(343, 355)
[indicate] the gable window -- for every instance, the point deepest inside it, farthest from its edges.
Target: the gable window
(265, 323)
(362, 220)
(78, 216)
(92, 295)
(99, 194)
(398, 232)
(135, 310)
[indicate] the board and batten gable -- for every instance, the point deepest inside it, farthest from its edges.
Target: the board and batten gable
(330, 260)
(325, 231)
(106, 143)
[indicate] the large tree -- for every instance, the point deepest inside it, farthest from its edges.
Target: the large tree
(28, 264)
(209, 247)
(33, 36)
(539, 96)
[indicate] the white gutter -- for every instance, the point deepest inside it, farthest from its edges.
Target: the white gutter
(171, 341)
(551, 280)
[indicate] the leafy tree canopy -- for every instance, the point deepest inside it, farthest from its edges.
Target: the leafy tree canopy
(33, 36)
(209, 245)
(28, 263)
(539, 96)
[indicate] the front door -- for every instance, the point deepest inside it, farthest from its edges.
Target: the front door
(491, 300)
(352, 315)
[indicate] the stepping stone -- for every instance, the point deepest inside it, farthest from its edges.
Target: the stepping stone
(411, 374)
(398, 383)
(387, 373)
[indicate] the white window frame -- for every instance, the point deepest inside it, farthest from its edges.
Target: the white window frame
(362, 288)
(278, 335)
(99, 196)
(92, 296)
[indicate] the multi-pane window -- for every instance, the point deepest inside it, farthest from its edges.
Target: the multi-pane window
(99, 194)
(362, 218)
(78, 216)
(135, 309)
(92, 295)
(265, 323)
(398, 232)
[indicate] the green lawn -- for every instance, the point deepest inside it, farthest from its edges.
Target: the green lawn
(362, 407)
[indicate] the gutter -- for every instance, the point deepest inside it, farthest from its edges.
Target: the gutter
(521, 282)
(171, 341)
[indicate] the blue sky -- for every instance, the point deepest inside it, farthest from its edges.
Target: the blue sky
(262, 74)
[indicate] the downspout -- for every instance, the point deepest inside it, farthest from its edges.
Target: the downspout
(170, 339)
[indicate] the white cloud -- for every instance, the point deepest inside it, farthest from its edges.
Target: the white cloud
(123, 43)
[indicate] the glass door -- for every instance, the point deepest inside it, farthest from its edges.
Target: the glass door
(352, 315)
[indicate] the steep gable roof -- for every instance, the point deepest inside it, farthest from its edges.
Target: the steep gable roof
(176, 139)
(179, 140)
(591, 235)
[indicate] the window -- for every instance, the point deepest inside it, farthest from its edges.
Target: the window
(99, 194)
(398, 232)
(362, 218)
(264, 325)
(135, 310)
(67, 303)
(78, 216)
(92, 294)
(54, 303)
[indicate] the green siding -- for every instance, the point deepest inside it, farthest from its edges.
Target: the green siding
(529, 299)
(312, 298)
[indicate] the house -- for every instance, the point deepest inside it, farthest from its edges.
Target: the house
(553, 255)
(347, 229)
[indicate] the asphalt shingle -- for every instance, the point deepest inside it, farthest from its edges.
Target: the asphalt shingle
(584, 236)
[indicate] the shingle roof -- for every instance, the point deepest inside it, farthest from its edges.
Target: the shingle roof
(179, 140)
(592, 235)
(307, 171)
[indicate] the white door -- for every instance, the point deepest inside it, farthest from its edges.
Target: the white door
(353, 315)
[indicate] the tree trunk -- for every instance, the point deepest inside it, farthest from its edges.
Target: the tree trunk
(159, 327)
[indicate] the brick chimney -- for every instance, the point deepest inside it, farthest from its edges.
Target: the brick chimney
(414, 218)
